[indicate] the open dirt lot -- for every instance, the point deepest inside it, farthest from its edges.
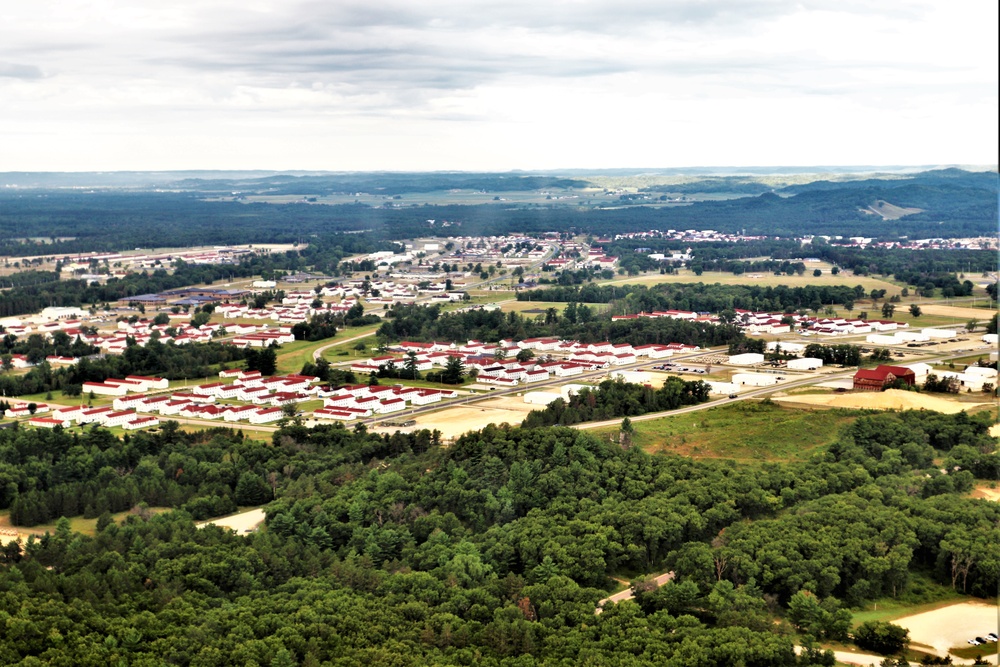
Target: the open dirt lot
(952, 626)
(245, 522)
(986, 493)
(456, 421)
(892, 399)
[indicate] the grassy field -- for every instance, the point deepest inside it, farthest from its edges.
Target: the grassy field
(78, 524)
(765, 279)
(292, 356)
(746, 431)
(923, 594)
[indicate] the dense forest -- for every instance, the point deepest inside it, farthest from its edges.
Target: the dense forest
(389, 549)
(616, 398)
(955, 204)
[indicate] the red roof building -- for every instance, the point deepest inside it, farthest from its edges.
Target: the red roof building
(877, 379)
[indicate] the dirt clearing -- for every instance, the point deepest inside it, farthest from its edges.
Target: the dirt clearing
(986, 493)
(891, 399)
(242, 523)
(456, 421)
(952, 626)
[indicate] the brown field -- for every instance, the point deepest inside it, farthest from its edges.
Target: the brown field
(986, 493)
(456, 421)
(957, 311)
(893, 399)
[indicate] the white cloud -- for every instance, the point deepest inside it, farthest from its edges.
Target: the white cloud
(494, 85)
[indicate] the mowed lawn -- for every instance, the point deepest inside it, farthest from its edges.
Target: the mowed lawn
(744, 431)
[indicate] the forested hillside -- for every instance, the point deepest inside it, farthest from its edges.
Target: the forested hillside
(493, 551)
(959, 205)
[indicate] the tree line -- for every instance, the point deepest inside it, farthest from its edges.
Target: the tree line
(616, 398)
(575, 322)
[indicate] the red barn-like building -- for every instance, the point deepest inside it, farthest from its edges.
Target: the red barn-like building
(877, 379)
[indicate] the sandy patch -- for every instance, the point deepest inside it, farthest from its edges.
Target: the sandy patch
(995, 430)
(952, 626)
(892, 399)
(244, 522)
(8, 535)
(986, 493)
(456, 421)
(981, 314)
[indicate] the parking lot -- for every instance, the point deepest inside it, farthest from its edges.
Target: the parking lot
(682, 368)
(952, 626)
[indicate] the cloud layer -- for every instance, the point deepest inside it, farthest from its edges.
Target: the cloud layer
(494, 85)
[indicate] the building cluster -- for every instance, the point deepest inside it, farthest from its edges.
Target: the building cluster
(294, 308)
(497, 363)
(577, 255)
(261, 399)
(65, 416)
(360, 401)
(511, 250)
(120, 265)
(690, 236)
(778, 323)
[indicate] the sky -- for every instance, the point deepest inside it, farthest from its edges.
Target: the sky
(421, 85)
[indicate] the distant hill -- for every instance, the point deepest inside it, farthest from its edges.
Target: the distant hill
(945, 203)
(376, 183)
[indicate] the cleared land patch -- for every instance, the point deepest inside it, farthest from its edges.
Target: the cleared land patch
(244, 522)
(764, 279)
(986, 492)
(453, 422)
(956, 311)
(892, 399)
(890, 211)
(952, 626)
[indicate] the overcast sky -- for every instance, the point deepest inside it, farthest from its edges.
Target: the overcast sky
(511, 84)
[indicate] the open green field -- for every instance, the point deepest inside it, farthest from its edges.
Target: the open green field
(292, 356)
(77, 524)
(922, 594)
(765, 279)
(747, 431)
(536, 308)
